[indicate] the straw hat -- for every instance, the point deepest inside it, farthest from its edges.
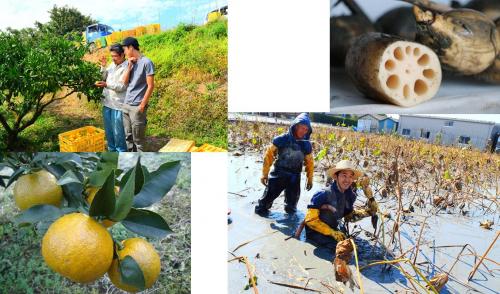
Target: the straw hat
(344, 165)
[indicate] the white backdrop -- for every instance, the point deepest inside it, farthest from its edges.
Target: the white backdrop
(279, 56)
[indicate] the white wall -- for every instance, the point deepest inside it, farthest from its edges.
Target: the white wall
(479, 133)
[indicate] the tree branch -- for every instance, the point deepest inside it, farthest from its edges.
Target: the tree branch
(5, 124)
(40, 109)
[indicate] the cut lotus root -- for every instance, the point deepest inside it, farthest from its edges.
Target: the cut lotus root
(392, 70)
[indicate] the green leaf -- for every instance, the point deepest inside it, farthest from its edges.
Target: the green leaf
(139, 177)
(146, 174)
(68, 177)
(130, 273)
(158, 185)
(104, 200)
(38, 213)
(321, 154)
(126, 197)
(97, 178)
(447, 175)
(64, 158)
(146, 223)
(109, 160)
(2, 178)
(72, 191)
(19, 172)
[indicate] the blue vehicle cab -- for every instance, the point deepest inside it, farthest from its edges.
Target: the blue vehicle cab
(97, 31)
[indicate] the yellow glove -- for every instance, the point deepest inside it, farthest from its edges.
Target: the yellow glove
(263, 180)
(269, 155)
(338, 236)
(356, 215)
(313, 221)
(309, 185)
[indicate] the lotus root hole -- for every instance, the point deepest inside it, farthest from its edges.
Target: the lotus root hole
(423, 60)
(416, 51)
(406, 91)
(420, 87)
(398, 53)
(408, 50)
(428, 73)
(393, 82)
(390, 65)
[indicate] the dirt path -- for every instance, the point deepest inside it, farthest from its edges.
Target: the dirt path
(79, 109)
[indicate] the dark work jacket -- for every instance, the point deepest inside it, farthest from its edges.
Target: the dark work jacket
(343, 203)
(291, 152)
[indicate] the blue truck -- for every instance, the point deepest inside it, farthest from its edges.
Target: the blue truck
(96, 32)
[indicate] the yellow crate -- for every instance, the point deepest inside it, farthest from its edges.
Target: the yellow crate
(178, 145)
(86, 139)
(209, 148)
(140, 31)
(128, 33)
(115, 37)
(109, 40)
(213, 16)
(153, 29)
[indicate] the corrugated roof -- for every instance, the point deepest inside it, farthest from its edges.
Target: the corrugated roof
(447, 118)
(375, 116)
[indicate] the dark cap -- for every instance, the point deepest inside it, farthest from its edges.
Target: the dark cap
(116, 48)
(131, 41)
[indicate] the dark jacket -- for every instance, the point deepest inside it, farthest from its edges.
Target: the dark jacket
(342, 202)
(291, 152)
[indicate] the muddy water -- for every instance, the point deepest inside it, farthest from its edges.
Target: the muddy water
(296, 262)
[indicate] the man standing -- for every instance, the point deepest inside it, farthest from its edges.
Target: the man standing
(289, 152)
(114, 95)
(140, 79)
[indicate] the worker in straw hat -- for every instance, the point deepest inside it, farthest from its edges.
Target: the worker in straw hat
(329, 205)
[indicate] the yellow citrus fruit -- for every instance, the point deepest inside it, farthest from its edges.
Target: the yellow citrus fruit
(91, 191)
(145, 255)
(78, 248)
(37, 188)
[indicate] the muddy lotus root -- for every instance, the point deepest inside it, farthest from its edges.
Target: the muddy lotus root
(392, 70)
(343, 254)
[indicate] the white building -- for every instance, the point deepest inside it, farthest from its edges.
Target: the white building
(376, 123)
(447, 131)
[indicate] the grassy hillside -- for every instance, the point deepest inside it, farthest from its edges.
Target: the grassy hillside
(190, 100)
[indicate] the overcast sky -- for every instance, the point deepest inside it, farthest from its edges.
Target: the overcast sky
(122, 14)
(483, 117)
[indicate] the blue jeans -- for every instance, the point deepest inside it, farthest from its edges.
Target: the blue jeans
(113, 126)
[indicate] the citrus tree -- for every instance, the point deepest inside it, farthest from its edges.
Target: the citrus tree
(76, 242)
(36, 69)
(64, 20)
